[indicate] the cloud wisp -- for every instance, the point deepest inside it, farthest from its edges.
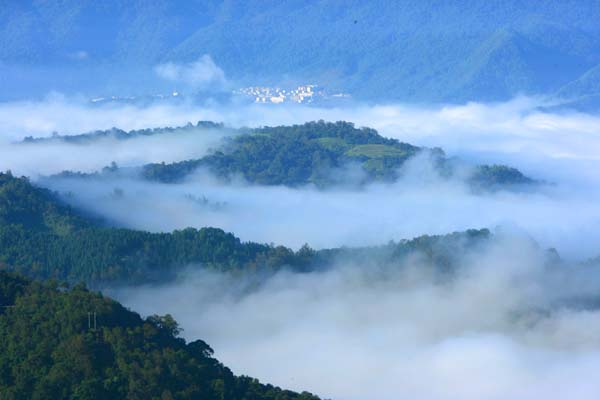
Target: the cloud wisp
(200, 74)
(55, 156)
(517, 132)
(560, 148)
(505, 327)
(420, 203)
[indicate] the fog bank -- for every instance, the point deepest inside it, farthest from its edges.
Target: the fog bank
(420, 203)
(505, 327)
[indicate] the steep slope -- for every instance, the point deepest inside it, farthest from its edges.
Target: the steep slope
(508, 63)
(74, 344)
(36, 209)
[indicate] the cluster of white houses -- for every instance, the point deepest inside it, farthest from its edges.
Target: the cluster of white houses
(265, 94)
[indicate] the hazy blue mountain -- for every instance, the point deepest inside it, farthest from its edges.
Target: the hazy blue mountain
(584, 92)
(405, 50)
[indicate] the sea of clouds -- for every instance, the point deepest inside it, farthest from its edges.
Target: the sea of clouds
(505, 327)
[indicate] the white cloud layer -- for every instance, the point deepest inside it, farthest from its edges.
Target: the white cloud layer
(200, 74)
(551, 145)
(556, 217)
(356, 331)
(53, 157)
(500, 330)
(558, 147)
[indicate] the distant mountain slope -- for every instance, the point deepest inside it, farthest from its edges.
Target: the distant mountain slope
(76, 344)
(119, 134)
(404, 50)
(586, 85)
(101, 255)
(296, 155)
(508, 63)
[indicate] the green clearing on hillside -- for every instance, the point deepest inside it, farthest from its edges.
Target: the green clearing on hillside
(376, 151)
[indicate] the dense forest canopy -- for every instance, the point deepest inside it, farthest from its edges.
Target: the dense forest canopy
(44, 238)
(319, 153)
(60, 343)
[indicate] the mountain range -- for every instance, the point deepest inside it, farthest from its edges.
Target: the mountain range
(416, 51)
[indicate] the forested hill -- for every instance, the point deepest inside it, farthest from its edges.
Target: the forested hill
(324, 153)
(319, 153)
(42, 238)
(297, 155)
(36, 209)
(51, 348)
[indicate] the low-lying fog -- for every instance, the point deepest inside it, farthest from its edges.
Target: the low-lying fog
(501, 329)
(517, 132)
(421, 203)
(561, 148)
(505, 327)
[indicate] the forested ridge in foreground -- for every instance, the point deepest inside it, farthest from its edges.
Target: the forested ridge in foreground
(43, 238)
(319, 153)
(60, 343)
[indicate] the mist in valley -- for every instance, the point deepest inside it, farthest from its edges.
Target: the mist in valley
(459, 261)
(558, 148)
(509, 323)
(515, 326)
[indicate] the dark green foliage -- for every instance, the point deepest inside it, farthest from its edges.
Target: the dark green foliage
(111, 254)
(41, 237)
(50, 350)
(316, 153)
(297, 155)
(81, 250)
(490, 176)
(36, 209)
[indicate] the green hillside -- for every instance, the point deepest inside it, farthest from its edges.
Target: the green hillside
(41, 237)
(317, 153)
(62, 343)
(85, 250)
